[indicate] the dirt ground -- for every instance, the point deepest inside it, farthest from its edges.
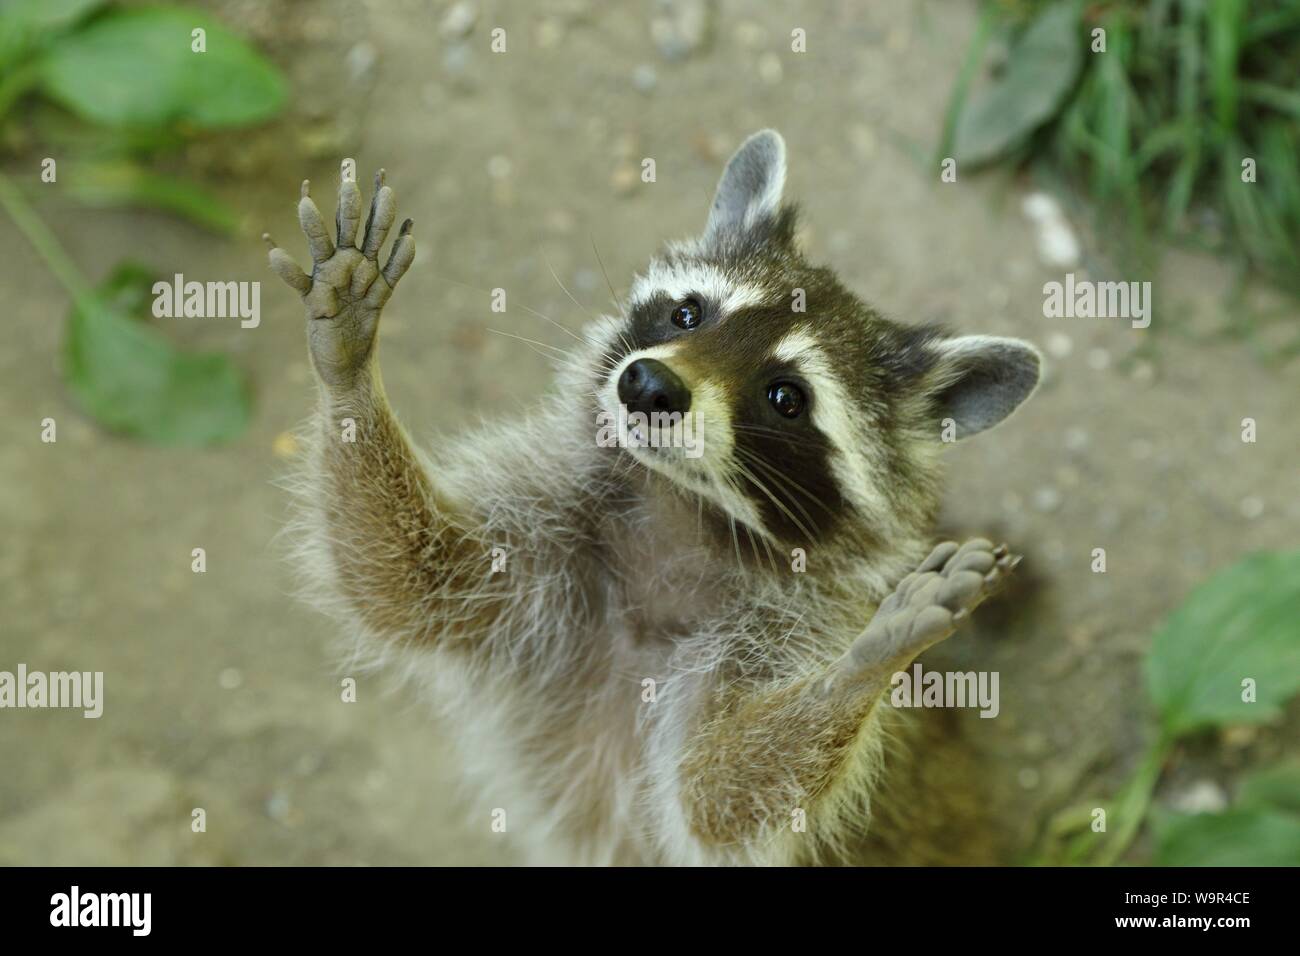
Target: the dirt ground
(222, 691)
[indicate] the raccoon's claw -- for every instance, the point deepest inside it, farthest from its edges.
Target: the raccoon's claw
(927, 606)
(347, 288)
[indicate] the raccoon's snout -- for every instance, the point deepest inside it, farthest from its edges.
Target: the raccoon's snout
(649, 386)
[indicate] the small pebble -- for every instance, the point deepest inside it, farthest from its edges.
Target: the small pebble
(1239, 735)
(280, 808)
(361, 60)
(1203, 796)
(549, 34)
(1047, 499)
(1251, 507)
(645, 79)
(1144, 372)
(1059, 344)
(624, 180)
(749, 34)
(863, 140)
(1076, 438)
(680, 27)
(308, 764)
(285, 445)
(459, 20)
(1056, 244)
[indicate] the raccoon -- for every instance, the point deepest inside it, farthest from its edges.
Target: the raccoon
(651, 654)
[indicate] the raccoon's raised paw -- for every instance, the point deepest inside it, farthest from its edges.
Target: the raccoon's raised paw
(347, 288)
(927, 606)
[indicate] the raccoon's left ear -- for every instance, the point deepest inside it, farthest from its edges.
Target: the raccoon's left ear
(749, 192)
(978, 380)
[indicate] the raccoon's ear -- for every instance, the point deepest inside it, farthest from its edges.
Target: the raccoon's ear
(749, 192)
(978, 380)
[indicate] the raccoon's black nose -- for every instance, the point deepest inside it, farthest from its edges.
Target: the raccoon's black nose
(649, 386)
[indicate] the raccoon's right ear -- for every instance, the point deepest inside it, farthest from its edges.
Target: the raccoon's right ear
(975, 381)
(749, 192)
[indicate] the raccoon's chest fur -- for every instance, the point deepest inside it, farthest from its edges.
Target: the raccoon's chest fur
(574, 730)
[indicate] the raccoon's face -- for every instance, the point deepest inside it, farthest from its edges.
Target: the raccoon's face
(758, 383)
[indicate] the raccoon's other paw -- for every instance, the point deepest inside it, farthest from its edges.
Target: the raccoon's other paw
(346, 289)
(926, 607)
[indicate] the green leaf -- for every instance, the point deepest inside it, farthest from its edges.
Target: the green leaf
(136, 68)
(1042, 68)
(1225, 22)
(1275, 97)
(1277, 788)
(127, 376)
(25, 23)
(39, 15)
(126, 184)
(1242, 623)
(1237, 837)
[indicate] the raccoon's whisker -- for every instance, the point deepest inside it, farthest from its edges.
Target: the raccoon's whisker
(626, 344)
(735, 541)
(521, 338)
(749, 533)
(735, 487)
(775, 473)
(622, 310)
(567, 331)
(796, 440)
(786, 483)
(565, 290)
(562, 360)
(754, 479)
(749, 475)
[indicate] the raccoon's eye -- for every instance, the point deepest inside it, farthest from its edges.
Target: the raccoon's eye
(687, 315)
(786, 398)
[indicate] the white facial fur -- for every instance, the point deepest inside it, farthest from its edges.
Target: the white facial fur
(684, 280)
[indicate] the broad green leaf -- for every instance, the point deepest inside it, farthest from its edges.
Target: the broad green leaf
(127, 376)
(36, 15)
(136, 68)
(1242, 623)
(1237, 837)
(1040, 72)
(1277, 788)
(25, 23)
(126, 184)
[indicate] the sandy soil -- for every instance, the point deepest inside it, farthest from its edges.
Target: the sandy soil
(221, 690)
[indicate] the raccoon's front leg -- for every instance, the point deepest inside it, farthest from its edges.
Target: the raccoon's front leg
(767, 754)
(924, 609)
(398, 553)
